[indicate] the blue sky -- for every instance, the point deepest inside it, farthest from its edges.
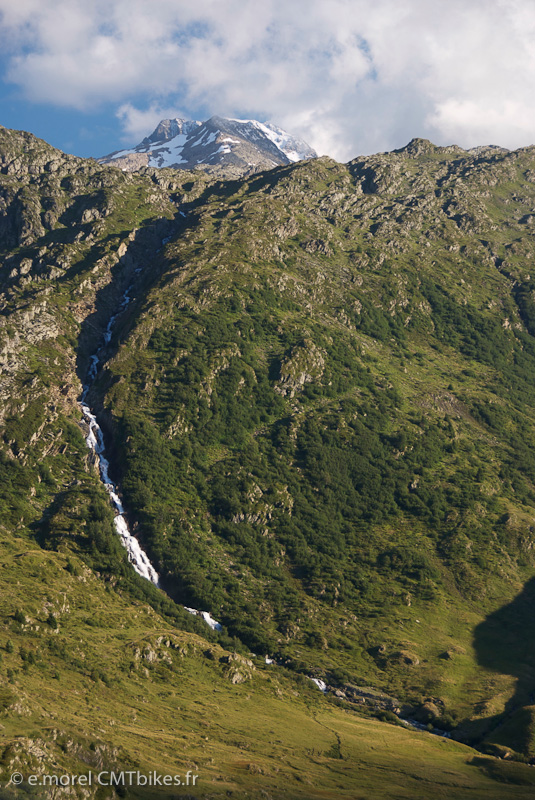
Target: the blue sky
(91, 133)
(349, 76)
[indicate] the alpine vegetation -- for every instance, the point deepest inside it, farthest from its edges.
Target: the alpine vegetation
(267, 472)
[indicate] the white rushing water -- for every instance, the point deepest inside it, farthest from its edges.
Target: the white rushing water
(95, 441)
(137, 556)
(215, 626)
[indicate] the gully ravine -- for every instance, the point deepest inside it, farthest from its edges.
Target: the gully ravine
(95, 441)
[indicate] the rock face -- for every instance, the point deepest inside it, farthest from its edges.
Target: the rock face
(238, 147)
(168, 129)
(55, 212)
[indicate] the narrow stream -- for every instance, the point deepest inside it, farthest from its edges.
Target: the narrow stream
(137, 556)
(95, 441)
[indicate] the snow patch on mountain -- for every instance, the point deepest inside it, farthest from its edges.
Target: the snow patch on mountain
(294, 149)
(244, 145)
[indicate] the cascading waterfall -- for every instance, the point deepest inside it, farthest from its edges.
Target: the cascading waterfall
(95, 441)
(136, 555)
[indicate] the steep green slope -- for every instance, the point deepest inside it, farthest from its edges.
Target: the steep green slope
(319, 405)
(323, 420)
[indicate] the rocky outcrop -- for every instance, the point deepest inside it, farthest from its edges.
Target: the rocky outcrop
(304, 365)
(237, 668)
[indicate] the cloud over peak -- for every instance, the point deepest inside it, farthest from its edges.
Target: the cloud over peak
(349, 76)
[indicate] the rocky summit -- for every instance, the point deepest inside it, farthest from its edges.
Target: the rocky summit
(231, 146)
(267, 472)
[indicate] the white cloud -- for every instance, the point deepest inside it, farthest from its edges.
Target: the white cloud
(471, 121)
(350, 76)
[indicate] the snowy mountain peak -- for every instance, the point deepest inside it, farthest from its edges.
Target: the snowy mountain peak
(167, 129)
(236, 146)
